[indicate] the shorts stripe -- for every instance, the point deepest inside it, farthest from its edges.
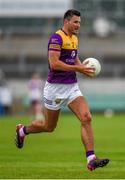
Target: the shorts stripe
(47, 101)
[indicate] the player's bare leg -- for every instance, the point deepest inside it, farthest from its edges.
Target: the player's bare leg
(37, 126)
(48, 125)
(81, 110)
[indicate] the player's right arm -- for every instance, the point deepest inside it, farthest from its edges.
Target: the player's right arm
(54, 51)
(56, 64)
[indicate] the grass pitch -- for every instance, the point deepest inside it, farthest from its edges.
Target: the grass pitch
(61, 155)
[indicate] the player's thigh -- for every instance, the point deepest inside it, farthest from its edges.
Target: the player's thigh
(80, 108)
(51, 116)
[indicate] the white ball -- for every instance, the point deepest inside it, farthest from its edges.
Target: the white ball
(93, 63)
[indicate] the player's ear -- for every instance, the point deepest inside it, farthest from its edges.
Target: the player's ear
(66, 21)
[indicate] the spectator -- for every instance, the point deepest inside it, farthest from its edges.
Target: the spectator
(6, 99)
(5, 95)
(35, 89)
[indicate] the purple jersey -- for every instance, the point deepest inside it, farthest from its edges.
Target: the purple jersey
(67, 46)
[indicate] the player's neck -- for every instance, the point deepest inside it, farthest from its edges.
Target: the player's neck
(66, 31)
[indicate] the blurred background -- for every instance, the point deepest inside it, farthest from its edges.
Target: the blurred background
(25, 27)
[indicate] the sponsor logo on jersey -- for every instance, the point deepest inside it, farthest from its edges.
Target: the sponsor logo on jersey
(73, 54)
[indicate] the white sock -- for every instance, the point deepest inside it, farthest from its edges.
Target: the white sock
(21, 132)
(89, 158)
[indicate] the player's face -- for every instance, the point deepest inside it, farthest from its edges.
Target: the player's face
(74, 24)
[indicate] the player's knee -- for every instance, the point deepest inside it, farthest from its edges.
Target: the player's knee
(86, 118)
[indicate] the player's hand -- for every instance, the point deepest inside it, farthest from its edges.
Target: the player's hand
(86, 70)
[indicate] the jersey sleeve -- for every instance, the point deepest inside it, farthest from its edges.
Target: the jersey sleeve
(55, 43)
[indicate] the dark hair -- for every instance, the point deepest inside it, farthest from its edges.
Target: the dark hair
(71, 12)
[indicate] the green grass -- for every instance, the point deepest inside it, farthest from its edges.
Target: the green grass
(61, 155)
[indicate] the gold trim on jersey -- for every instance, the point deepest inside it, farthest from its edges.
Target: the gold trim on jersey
(55, 46)
(67, 41)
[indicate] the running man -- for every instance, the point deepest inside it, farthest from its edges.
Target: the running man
(61, 88)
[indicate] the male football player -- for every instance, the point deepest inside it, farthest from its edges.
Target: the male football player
(61, 88)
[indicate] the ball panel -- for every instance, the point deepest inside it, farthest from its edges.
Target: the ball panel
(94, 63)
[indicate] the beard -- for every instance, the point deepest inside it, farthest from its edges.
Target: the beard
(75, 32)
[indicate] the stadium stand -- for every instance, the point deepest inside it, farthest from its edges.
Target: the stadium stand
(23, 44)
(25, 38)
